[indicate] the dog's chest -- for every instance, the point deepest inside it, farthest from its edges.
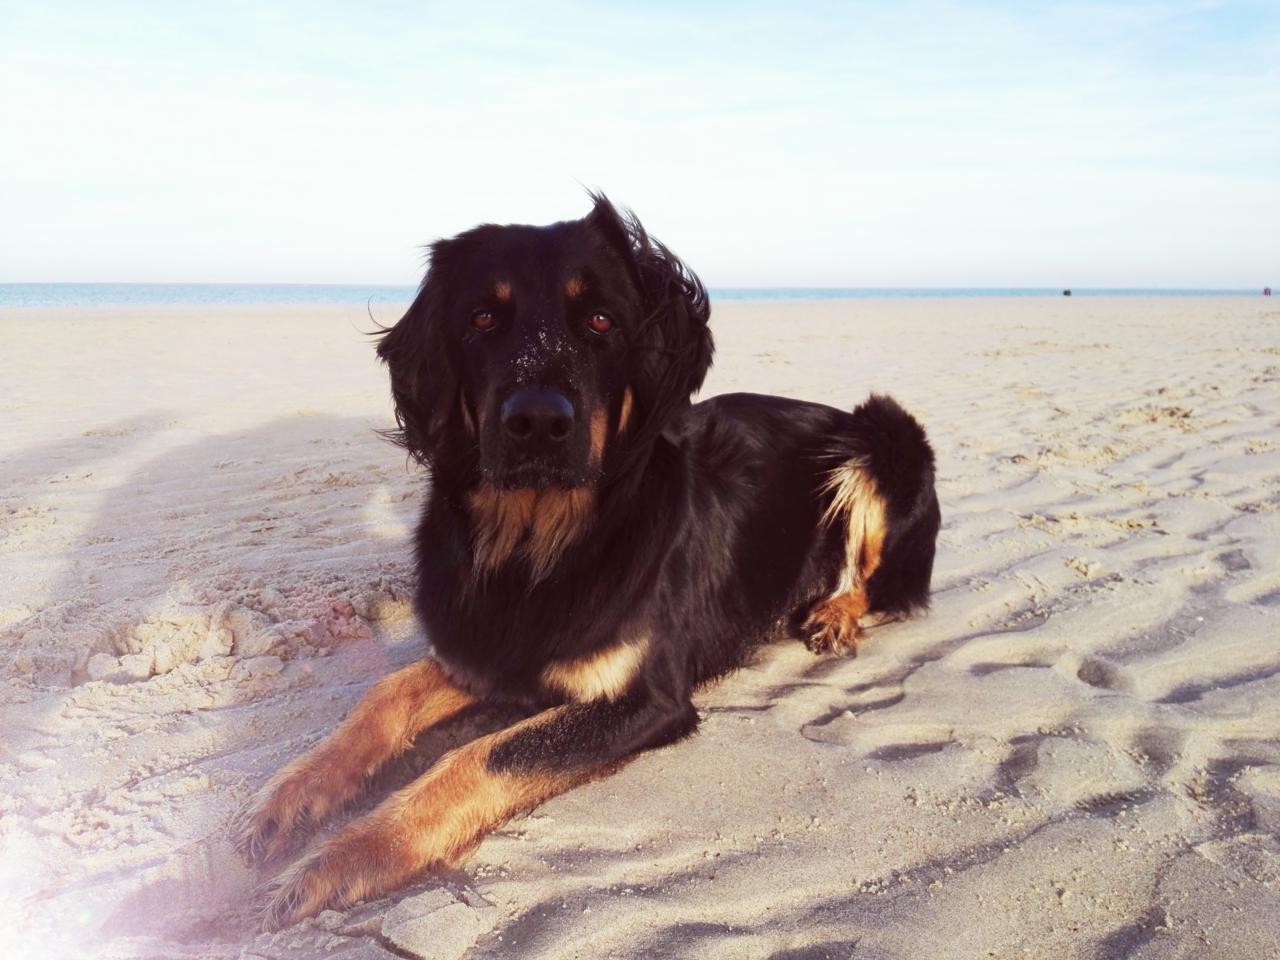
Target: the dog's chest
(602, 675)
(605, 674)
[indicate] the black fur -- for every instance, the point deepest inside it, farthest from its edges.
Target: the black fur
(706, 533)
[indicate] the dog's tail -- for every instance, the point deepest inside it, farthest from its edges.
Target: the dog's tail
(882, 491)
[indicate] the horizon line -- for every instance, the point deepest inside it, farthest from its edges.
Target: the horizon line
(710, 287)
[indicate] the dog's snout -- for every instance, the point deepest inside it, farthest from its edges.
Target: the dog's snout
(533, 416)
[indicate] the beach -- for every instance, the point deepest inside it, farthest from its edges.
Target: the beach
(205, 561)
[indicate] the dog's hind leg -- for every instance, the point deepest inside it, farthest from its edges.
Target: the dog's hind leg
(330, 775)
(857, 510)
(881, 500)
(469, 792)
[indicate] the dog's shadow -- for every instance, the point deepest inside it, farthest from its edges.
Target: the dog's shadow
(296, 534)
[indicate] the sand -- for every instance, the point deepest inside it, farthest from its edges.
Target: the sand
(204, 562)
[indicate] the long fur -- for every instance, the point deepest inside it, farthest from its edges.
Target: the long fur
(599, 579)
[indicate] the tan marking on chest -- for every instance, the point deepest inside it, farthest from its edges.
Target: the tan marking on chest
(605, 675)
(538, 523)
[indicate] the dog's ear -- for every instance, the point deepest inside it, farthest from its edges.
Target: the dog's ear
(672, 347)
(419, 354)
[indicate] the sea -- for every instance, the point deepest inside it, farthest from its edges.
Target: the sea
(303, 294)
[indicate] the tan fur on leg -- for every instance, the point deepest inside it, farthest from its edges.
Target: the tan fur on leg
(833, 625)
(330, 775)
(435, 820)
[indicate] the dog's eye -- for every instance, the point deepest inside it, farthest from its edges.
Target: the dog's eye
(600, 322)
(483, 320)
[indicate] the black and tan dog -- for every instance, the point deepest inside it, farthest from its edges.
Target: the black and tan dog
(593, 545)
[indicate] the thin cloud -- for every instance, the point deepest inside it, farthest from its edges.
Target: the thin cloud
(921, 143)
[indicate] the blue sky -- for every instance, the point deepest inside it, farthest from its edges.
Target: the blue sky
(1085, 144)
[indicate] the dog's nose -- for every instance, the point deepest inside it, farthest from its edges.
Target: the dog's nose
(537, 415)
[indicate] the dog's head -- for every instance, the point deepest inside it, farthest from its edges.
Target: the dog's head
(541, 358)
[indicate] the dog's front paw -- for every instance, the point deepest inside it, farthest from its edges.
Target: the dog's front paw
(303, 890)
(365, 860)
(273, 821)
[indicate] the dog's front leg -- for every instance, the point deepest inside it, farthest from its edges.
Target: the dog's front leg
(470, 792)
(330, 775)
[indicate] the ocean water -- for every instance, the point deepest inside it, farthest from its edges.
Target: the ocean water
(257, 294)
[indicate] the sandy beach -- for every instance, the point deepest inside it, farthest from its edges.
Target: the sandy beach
(204, 562)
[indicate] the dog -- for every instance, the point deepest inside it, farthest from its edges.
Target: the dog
(593, 546)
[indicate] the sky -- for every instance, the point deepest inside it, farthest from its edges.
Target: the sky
(801, 144)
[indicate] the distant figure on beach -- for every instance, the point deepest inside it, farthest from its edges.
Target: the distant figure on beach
(1266, 291)
(1066, 293)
